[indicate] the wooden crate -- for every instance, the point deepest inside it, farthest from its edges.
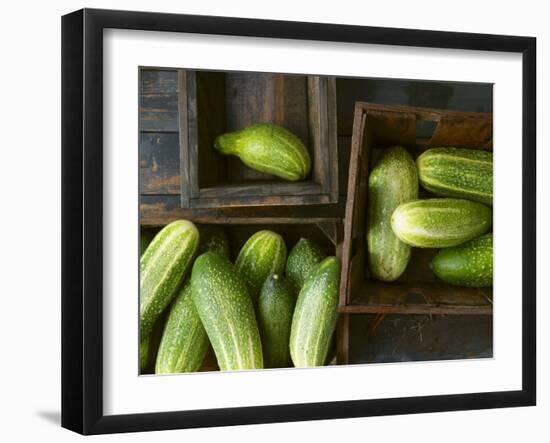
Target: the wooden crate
(212, 103)
(417, 291)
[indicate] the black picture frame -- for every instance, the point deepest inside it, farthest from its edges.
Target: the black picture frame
(82, 218)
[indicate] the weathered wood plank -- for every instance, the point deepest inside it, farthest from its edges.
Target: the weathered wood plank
(159, 164)
(158, 100)
(161, 210)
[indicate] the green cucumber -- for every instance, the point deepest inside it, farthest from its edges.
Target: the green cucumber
(315, 315)
(227, 313)
(268, 148)
(214, 238)
(456, 172)
(469, 264)
(263, 254)
(162, 269)
(275, 309)
(440, 222)
(184, 341)
(393, 181)
(302, 260)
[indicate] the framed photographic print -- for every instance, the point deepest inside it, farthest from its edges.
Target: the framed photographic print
(270, 221)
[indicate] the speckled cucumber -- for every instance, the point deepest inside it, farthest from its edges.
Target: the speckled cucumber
(275, 309)
(268, 148)
(302, 260)
(214, 239)
(315, 315)
(184, 341)
(263, 254)
(440, 222)
(162, 269)
(456, 172)
(393, 181)
(227, 313)
(469, 264)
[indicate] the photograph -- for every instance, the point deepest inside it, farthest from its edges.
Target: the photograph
(297, 221)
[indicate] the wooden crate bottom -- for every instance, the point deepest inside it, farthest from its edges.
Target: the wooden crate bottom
(419, 298)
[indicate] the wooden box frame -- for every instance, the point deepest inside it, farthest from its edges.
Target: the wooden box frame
(417, 291)
(196, 142)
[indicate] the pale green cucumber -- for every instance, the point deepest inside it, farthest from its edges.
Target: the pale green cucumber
(162, 269)
(302, 260)
(184, 341)
(268, 148)
(263, 254)
(457, 172)
(469, 264)
(275, 309)
(227, 313)
(392, 181)
(315, 315)
(440, 222)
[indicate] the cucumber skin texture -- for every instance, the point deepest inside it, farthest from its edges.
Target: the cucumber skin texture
(469, 264)
(440, 222)
(394, 180)
(162, 269)
(315, 315)
(263, 254)
(227, 313)
(275, 309)
(457, 172)
(184, 341)
(302, 259)
(268, 148)
(214, 239)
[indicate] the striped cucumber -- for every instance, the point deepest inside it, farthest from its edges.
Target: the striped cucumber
(275, 309)
(469, 264)
(214, 238)
(456, 172)
(184, 341)
(393, 181)
(302, 260)
(315, 315)
(227, 313)
(162, 269)
(440, 222)
(263, 254)
(268, 148)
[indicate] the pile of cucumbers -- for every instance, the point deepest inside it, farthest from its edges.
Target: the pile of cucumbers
(266, 310)
(456, 221)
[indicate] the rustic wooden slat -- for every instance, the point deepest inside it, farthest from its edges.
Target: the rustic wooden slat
(260, 200)
(158, 100)
(342, 339)
(236, 189)
(185, 143)
(159, 171)
(417, 291)
(161, 210)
